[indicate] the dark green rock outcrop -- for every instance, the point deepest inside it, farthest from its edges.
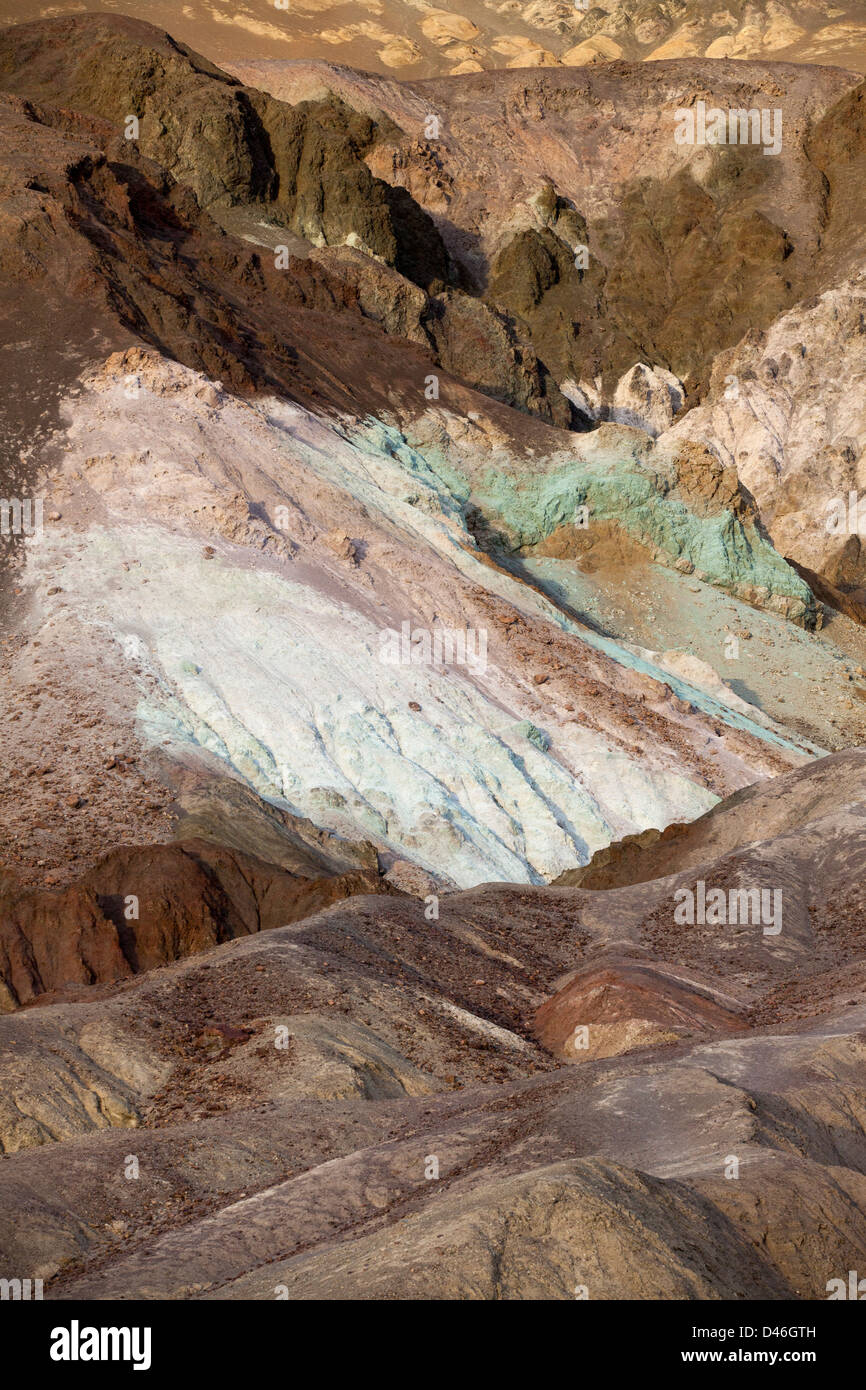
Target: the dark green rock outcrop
(230, 144)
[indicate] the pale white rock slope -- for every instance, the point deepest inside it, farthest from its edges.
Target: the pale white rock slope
(246, 558)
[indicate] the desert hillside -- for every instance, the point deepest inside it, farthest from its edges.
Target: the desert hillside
(432, 653)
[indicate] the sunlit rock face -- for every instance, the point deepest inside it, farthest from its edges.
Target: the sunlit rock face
(400, 38)
(788, 411)
(313, 614)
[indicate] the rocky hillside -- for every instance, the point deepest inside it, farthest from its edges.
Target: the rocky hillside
(432, 703)
(719, 293)
(536, 1091)
(413, 38)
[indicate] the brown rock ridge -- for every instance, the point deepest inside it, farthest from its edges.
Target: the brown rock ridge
(303, 166)
(104, 237)
(689, 247)
(682, 260)
(321, 1065)
(615, 1006)
(141, 907)
(768, 808)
